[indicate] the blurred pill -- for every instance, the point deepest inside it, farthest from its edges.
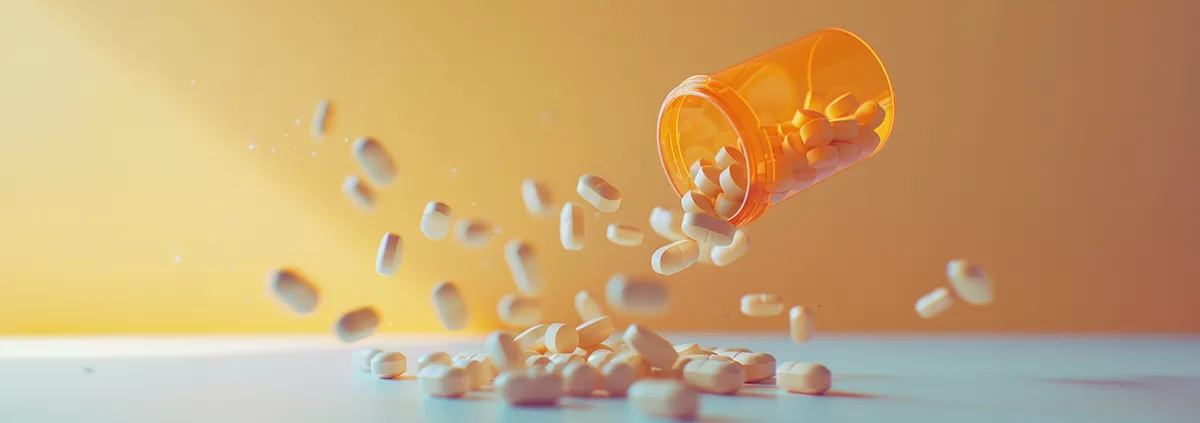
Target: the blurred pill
(358, 192)
(473, 233)
(666, 223)
(537, 198)
(636, 295)
(723, 256)
(970, 282)
(356, 324)
(450, 307)
(708, 229)
(586, 306)
(375, 161)
(571, 227)
(435, 220)
(519, 311)
(387, 259)
(934, 303)
(599, 193)
(293, 290)
(523, 264)
(624, 235)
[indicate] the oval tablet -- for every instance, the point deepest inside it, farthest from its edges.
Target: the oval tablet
(387, 260)
(618, 377)
(593, 332)
(816, 133)
(523, 264)
(570, 227)
(708, 181)
(804, 116)
(356, 324)
(433, 358)
(845, 128)
(674, 257)
(708, 229)
(358, 192)
(624, 235)
(641, 296)
(441, 380)
(388, 365)
(713, 376)
(503, 350)
(561, 339)
(375, 161)
(665, 398)
(533, 338)
(450, 306)
(362, 358)
(655, 349)
(869, 115)
(435, 220)
(699, 163)
(727, 207)
(842, 106)
(733, 181)
(599, 193)
(519, 311)
(821, 157)
(293, 290)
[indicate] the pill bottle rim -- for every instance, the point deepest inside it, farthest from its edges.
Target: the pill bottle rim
(752, 140)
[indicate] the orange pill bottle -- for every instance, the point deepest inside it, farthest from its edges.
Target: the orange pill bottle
(762, 106)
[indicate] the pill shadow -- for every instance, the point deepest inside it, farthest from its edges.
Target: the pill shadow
(1133, 383)
(861, 377)
(764, 382)
(848, 394)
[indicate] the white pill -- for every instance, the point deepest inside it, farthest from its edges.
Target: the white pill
(708, 181)
(529, 388)
(356, 324)
(803, 378)
(599, 193)
(523, 264)
(580, 379)
(442, 380)
(733, 181)
(473, 233)
(362, 358)
(537, 198)
(624, 235)
(934, 303)
(708, 229)
(359, 193)
(800, 324)
(666, 224)
(674, 257)
(723, 256)
(713, 376)
(293, 290)
(592, 333)
(435, 220)
(726, 207)
(970, 282)
(519, 311)
(728, 156)
(387, 260)
(433, 358)
(533, 338)
(698, 164)
(757, 366)
(450, 306)
(640, 295)
(618, 377)
(651, 346)
(561, 339)
(375, 161)
(320, 119)
(762, 305)
(503, 350)
(388, 365)
(586, 306)
(665, 398)
(695, 201)
(570, 227)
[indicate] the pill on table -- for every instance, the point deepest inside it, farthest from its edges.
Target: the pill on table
(293, 290)
(624, 235)
(433, 358)
(523, 264)
(733, 181)
(561, 338)
(599, 193)
(723, 256)
(708, 181)
(757, 366)
(503, 350)
(442, 380)
(708, 229)
(356, 324)
(869, 114)
(519, 311)
(374, 160)
(868, 142)
(814, 101)
(695, 201)
(586, 306)
(667, 398)
(844, 128)
(970, 282)
(674, 257)
(824, 156)
(816, 133)
(804, 116)
(762, 305)
(580, 379)
(617, 378)
(727, 207)
(532, 388)
(666, 223)
(637, 295)
(477, 372)
(537, 197)
(848, 152)
(803, 378)
(533, 338)
(934, 303)
(320, 119)
(359, 193)
(362, 358)
(593, 332)
(388, 365)
(600, 358)
(687, 349)
(536, 361)
(714, 376)
(699, 163)
(570, 227)
(450, 306)
(728, 156)
(651, 346)
(435, 220)
(641, 367)
(841, 106)
(387, 260)
(800, 324)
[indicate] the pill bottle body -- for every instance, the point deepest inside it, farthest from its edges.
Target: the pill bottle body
(755, 105)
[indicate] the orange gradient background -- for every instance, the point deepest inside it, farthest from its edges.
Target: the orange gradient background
(1047, 141)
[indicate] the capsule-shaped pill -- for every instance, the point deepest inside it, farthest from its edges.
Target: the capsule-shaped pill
(800, 324)
(442, 380)
(624, 235)
(450, 306)
(473, 233)
(593, 332)
(433, 358)
(708, 229)
(640, 296)
(503, 350)
(293, 290)
(934, 303)
(375, 161)
(708, 180)
(533, 338)
(320, 119)
(358, 192)
(362, 358)
(537, 197)
(804, 116)
(842, 106)
(586, 306)
(435, 220)
(387, 260)
(651, 346)
(714, 376)
(523, 264)
(822, 157)
(762, 305)
(561, 338)
(599, 193)
(529, 388)
(869, 115)
(695, 201)
(665, 398)
(519, 311)
(388, 365)
(674, 257)
(756, 366)
(356, 324)
(666, 224)
(617, 378)
(803, 378)
(723, 256)
(570, 227)
(728, 156)
(970, 282)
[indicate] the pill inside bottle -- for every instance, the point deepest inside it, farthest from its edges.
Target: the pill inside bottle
(742, 108)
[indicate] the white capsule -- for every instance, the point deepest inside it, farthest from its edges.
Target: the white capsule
(624, 235)
(666, 224)
(523, 264)
(640, 296)
(695, 201)
(970, 282)
(800, 324)
(651, 346)
(723, 256)
(387, 260)
(450, 306)
(519, 311)
(293, 290)
(803, 378)
(674, 257)
(320, 119)
(934, 303)
(356, 325)
(435, 220)
(375, 161)
(587, 307)
(570, 227)
(537, 198)
(473, 233)
(599, 193)
(762, 305)
(708, 229)
(358, 192)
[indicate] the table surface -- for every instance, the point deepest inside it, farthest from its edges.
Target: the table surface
(876, 379)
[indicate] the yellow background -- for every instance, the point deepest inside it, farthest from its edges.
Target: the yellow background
(1049, 142)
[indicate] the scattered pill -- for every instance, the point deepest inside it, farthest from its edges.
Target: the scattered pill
(934, 303)
(561, 338)
(723, 256)
(388, 365)
(503, 350)
(477, 372)
(728, 156)
(435, 220)
(387, 260)
(800, 324)
(473, 233)
(695, 201)
(617, 378)
(665, 398)
(869, 115)
(804, 116)
(624, 235)
(757, 366)
(714, 376)
(708, 180)
(637, 295)
(356, 324)
(537, 198)
(599, 193)
(523, 264)
(537, 361)
(803, 378)
(362, 358)
(675, 257)
(450, 306)
(970, 282)
(708, 229)
(431, 359)
(375, 161)
(842, 106)
(726, 207)
(570, 227)
(762, 305)
(320, 119)
(533, 338)
(586, 306)
(293, 290)
(733, 181)
(593, 332)
(580, 379)
(359, 193)
(651, 346)
(824, 156)
(816, 133)
(666, 224)
(442, 380)
(848, 152)
(519, 311)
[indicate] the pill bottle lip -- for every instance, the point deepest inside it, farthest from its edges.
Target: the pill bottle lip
(753, 141)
